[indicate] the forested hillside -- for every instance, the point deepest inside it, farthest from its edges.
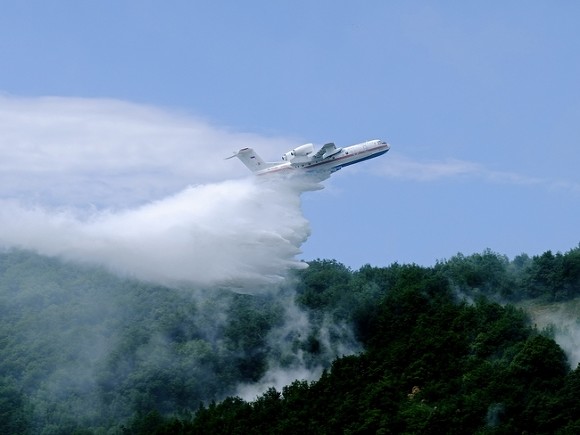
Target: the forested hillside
(397, 349)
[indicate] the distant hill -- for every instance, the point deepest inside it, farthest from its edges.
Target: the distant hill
(395, 349)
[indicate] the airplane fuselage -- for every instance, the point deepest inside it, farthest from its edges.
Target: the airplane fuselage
(339, 159)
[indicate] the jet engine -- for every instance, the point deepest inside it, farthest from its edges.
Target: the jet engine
(301, 152)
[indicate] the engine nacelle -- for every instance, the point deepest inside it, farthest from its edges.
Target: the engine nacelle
(302, 152)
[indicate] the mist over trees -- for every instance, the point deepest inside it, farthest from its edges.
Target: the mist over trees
(397, 349)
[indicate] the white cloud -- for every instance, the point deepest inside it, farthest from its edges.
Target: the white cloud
(400, 167)
(110, 152)
(404, 168)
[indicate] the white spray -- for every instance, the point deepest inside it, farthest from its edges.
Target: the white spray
(234, 232)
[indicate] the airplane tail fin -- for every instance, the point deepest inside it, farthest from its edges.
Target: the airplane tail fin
(251, 159)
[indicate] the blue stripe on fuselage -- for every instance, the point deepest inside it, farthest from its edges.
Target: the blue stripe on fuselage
(372, 156)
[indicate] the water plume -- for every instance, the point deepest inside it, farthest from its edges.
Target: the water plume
(238, 232)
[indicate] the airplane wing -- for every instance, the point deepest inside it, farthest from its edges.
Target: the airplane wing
(327, 150)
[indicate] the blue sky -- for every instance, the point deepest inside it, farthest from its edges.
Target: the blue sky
(480, 102)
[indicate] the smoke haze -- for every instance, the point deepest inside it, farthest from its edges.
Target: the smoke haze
(288, 362)
(562, 320)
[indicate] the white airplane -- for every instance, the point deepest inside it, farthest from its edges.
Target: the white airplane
(327, 159)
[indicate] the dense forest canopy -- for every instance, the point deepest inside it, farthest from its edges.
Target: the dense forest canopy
(397, 349)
